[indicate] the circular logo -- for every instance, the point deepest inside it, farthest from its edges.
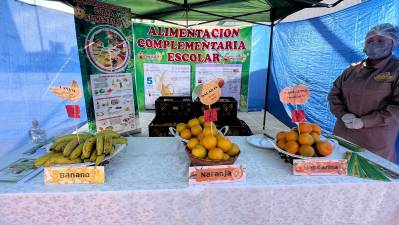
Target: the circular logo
(107, 49)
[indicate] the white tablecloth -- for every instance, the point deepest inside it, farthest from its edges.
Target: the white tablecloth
(147, 183)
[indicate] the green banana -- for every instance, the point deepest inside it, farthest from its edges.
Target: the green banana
(52, 159)
(69, 137)
(111, 133)
(107, 144)
(100, 144)
(64, 160)
(60, 146)
(93, 156)
(112, 150)
(121, 141)
(77, 151)
(99, 159)
(88, 147)
(41, 160)
(70, 147)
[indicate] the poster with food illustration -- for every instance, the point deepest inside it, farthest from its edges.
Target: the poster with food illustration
(107, 49)
(165, 80)
(105, 41)
(113, 101)
(229, 73)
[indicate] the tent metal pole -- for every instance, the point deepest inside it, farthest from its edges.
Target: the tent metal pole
(268, 71)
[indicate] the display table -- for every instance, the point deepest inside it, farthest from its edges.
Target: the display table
(147, 183)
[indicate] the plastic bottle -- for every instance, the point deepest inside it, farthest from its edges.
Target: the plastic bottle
(36, 134)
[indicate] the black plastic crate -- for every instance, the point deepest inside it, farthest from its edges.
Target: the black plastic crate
(237, 127)
(226, 108)
(159, 127)
(175, 107)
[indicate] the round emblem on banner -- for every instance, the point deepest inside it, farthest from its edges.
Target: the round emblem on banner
(107, 49)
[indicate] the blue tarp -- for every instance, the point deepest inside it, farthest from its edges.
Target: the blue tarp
(38, 51)
(314, 52)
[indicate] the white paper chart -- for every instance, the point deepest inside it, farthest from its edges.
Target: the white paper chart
(230, 73)
(113, 101)
(165, 80)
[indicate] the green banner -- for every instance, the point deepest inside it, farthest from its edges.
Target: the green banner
(105, 42)
(171, 61)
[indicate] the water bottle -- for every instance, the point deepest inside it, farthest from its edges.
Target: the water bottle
(36, 134)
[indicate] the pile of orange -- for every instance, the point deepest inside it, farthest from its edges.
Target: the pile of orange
(205, 141)
(304, 140)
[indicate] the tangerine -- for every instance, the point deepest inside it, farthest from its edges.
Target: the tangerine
(201, 120)
(216, 154)
(280, 136)
(281, 144)
(210, 131)
(316, 128)
(224, 144)
(316, 136)
(192, 143)
(180, 127)
(305, 139)
(196, 130)
(324, 148)
(207, 124)
(306, 150)
(199, 152)
(234, 150)
(186, 134)
(291, 136)
(193, 122)
(292, 147)
(304, 128)
(208, 141)
(225, 156)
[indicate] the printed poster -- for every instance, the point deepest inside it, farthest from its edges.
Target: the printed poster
(230, 73)
(113, 101)
(165, 80)
(104, 35)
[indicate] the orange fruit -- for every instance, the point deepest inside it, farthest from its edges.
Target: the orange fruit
(216, 154)
(196, 130)
(306, 150)
(291, 136)
(324, 148)
(186, 134)
(180, 127)
(234, 150)
(280, 136)
(210, 131)
(225, 156)
(192, 143)
(292, 147)
(305, 139)
(200, 136)
(208, 141)
(201, 119)
(281, 144)
(199, 152)
(304, 128)
(316, 136)
(316, 128)
(193, 122)
(224, 144)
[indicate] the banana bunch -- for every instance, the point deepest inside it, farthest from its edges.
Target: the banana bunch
(78, 148)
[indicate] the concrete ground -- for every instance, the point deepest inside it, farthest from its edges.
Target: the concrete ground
(253, 119)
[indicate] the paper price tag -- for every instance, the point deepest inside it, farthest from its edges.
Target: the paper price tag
(210, 115)
(216, 174)
(320, 167)
(73, 111)
(298, 116)
(296, 95)
(74, 175)
(210, 93)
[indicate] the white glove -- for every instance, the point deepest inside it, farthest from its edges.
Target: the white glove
(355, 123)
(348, 117)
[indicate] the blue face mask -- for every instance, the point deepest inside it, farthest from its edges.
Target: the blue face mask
(378, 50)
